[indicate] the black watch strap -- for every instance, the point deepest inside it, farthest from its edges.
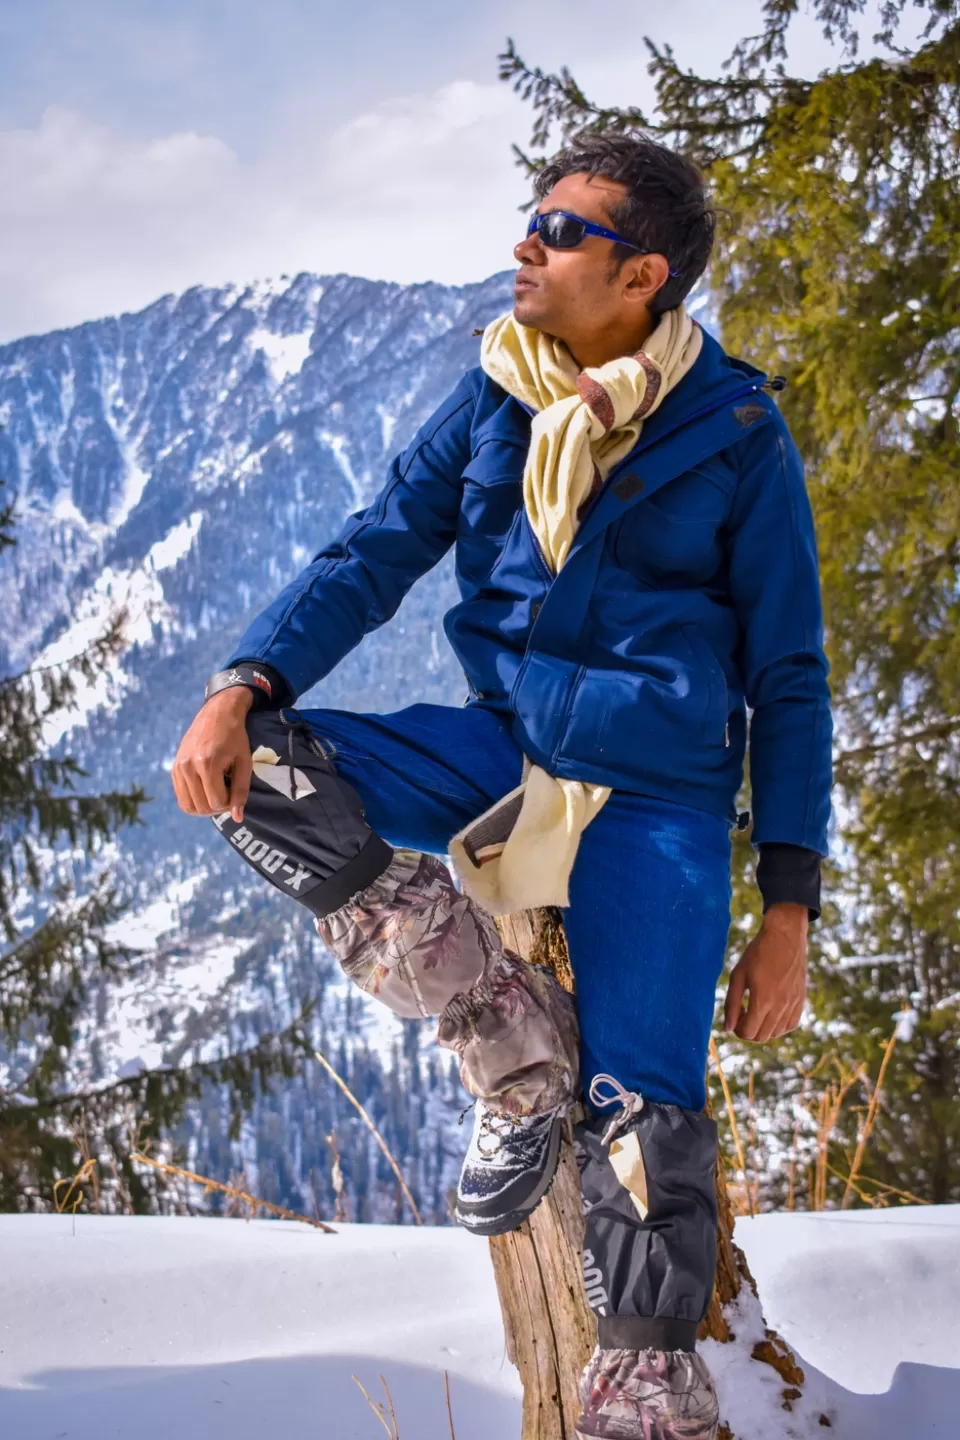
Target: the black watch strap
(257, 678)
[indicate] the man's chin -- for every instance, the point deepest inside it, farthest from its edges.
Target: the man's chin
(525, 312)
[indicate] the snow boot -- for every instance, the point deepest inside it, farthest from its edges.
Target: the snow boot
(648, 1395)
(508, 1169)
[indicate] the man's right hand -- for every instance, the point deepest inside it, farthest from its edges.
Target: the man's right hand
(215, 747)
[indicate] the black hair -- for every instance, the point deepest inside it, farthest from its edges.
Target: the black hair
(666, 209)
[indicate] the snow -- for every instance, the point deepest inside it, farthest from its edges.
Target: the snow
(166, 553)
(285, 354)
(388, 424)
(140, 594)
(135, 482)
(245, 1329)
(140, 1013)
(137, 592)
(111, 1327)
(141, 929)
(337, 445)
(870, 1303)
(907, 1021)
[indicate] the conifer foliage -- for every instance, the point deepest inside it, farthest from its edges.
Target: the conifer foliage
(839, 266)
(55, 949)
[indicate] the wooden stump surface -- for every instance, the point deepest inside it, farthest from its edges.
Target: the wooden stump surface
(550, 1329)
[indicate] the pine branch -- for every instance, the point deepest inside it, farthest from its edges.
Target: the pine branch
(941, 730)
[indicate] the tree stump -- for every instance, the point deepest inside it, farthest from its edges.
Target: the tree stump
(550, 1329)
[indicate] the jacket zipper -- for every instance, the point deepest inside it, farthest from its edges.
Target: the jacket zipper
(548, 574)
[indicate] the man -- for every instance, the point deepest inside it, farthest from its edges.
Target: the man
(637, 565)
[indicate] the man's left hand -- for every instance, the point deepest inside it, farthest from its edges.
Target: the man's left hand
(773, 972)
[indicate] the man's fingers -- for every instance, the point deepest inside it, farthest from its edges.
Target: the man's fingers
(770, 1027)
(735, 992)
(181, 790)
(753, 1022)
(240, 783)
(213, 772)
(192, 788)
(786, 1017)
(773, 1023)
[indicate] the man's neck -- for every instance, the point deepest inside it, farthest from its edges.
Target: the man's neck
(595, 350)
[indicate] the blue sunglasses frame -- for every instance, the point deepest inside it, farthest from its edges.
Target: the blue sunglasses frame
(589, 228)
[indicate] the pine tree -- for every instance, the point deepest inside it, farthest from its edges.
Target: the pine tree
(839, 267)
(55, 949)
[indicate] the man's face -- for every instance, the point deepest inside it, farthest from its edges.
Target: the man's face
(571, 293)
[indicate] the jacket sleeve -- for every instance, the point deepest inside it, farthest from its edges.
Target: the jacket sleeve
(775, 584)
(356, 583)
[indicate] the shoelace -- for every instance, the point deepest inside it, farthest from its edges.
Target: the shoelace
(630, 1101)
(494, 1124)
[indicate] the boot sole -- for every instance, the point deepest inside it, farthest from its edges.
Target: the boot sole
(513, 1219)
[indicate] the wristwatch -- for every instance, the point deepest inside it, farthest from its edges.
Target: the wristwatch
(252, 677)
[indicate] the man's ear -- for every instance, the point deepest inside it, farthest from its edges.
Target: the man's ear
(642, 276)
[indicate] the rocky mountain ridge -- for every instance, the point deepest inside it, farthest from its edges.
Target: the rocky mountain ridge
(182, 464)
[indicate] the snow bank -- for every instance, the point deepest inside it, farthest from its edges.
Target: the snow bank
(870, 1303)
(187, 1329)
(148, 1329)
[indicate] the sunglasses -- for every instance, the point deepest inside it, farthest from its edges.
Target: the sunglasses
(559, 230)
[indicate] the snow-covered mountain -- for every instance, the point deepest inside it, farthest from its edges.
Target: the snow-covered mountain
(182, 464)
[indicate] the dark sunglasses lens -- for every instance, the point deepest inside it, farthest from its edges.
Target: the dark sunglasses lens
(560, 232)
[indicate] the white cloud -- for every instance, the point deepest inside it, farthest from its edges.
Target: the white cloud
(423, 187)
(92, 222)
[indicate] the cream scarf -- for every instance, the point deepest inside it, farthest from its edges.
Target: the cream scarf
(521, 852)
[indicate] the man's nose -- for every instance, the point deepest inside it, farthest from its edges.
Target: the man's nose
(529, 250)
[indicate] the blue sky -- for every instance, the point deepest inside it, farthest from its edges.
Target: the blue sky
(145, 147)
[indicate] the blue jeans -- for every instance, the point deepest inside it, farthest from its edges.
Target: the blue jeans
(649, 895)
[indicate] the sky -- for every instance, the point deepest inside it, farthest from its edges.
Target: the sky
(150, 145)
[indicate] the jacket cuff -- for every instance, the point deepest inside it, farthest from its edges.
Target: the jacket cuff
(789, 875)
(281, 694)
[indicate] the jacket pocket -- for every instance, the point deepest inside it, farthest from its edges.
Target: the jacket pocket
(488, 509)
(717, 695)
(665, 715)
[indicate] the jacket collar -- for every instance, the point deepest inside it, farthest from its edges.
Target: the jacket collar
(714, 378)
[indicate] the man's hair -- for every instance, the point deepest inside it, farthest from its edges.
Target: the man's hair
(666, 209)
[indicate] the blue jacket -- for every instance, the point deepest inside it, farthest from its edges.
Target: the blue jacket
(691, 592)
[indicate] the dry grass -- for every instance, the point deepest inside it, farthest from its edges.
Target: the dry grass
(378, 1408)
(72, 1197)
(734, 1128)
(342, 1209)
(239, 1196)
(446, 1386)
(826, 1109)
(68, 1192)
(827, 1089)
(385, 1413)
(866, 1129)
(387, 1152)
